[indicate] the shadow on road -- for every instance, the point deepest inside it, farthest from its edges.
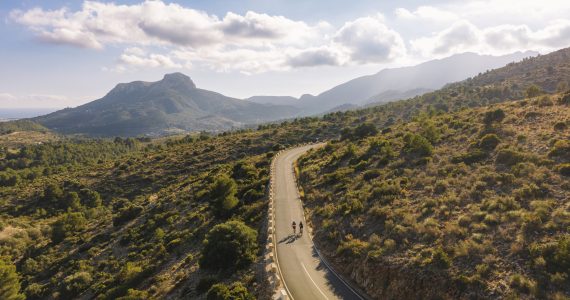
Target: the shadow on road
(290, 238)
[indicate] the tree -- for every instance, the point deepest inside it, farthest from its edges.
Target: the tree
(496, 115)
(223, 194)
(236, 291)
(533, 91)
(53, 193)
(90, 198)
(228, 245)
(67, 224)
(417, 145)
(9, 282)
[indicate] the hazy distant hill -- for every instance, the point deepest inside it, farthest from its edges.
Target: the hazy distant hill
(430, 75)
(153, 108)
(275, 100)
(395, 84)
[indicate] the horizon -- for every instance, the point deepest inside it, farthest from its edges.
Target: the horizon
(249, 48)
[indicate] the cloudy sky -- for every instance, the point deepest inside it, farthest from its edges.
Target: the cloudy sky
(56, 53)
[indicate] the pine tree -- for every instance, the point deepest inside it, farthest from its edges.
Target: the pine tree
(9, 282)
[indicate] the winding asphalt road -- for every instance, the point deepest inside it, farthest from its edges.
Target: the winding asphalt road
(305, 275)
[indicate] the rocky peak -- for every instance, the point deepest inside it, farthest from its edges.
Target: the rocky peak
(175, 79)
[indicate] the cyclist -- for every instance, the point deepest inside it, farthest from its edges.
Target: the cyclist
(301, 227)
(294, 227)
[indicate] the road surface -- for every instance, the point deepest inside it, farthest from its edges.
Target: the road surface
(304, 274)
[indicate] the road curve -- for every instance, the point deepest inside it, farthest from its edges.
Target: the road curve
(304, 274)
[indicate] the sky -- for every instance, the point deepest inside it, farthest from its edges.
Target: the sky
(56, 53)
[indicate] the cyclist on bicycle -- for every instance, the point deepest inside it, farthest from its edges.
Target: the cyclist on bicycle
(301, 227)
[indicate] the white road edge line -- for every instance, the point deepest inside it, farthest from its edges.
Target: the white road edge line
(322, 293)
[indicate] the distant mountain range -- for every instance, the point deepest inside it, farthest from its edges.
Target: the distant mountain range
(399, 83)
(174, 104)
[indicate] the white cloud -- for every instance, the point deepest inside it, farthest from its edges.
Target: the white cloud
(426, 13)
(464, 36)
(368, 39)
(138, 58)
(256, 42)
(322, 56)
(249, 43)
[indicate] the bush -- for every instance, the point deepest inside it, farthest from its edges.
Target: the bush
(67, 225)
(471, 157)
(9, 282)
(561, 150)
(489, 142)
(523, 284)
(364, 130)
(561, 257)
(352, 248)
(236, 291)
(229, 245)
(223, 194)
(533, 91)
(133, 294)
(564, 169)
(417, 145)
(494, 116)
(77, 282)
(565, 99)
(509, 157)
(126, 214)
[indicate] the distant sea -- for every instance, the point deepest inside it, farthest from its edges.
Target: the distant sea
(9, 114)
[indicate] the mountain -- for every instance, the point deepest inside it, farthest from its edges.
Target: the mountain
(275, 100)
(392, 95)
(173, 104)
(430, 75)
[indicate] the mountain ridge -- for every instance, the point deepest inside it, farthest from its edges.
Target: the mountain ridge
(173, 104)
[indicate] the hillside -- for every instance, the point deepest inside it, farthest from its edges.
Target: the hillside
(464, 187)
(171, 105)
(127, 217)
(477, 201)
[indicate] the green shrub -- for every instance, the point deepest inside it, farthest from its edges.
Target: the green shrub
(564, 169)
(364, 130)
(417, 145)
(67, 225)
(9, 282)
(471, 157)
(218, 291)
(533, 91)
(565, 99)
(489, 142)
(133, 294)
(561, 150)
(222, 193)
(523, 284)
(352, 248)
(77, 282)
(509, 157)
(561, 257)
(126, 214)
(236, 291)
(229, 245)
(493, 116)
